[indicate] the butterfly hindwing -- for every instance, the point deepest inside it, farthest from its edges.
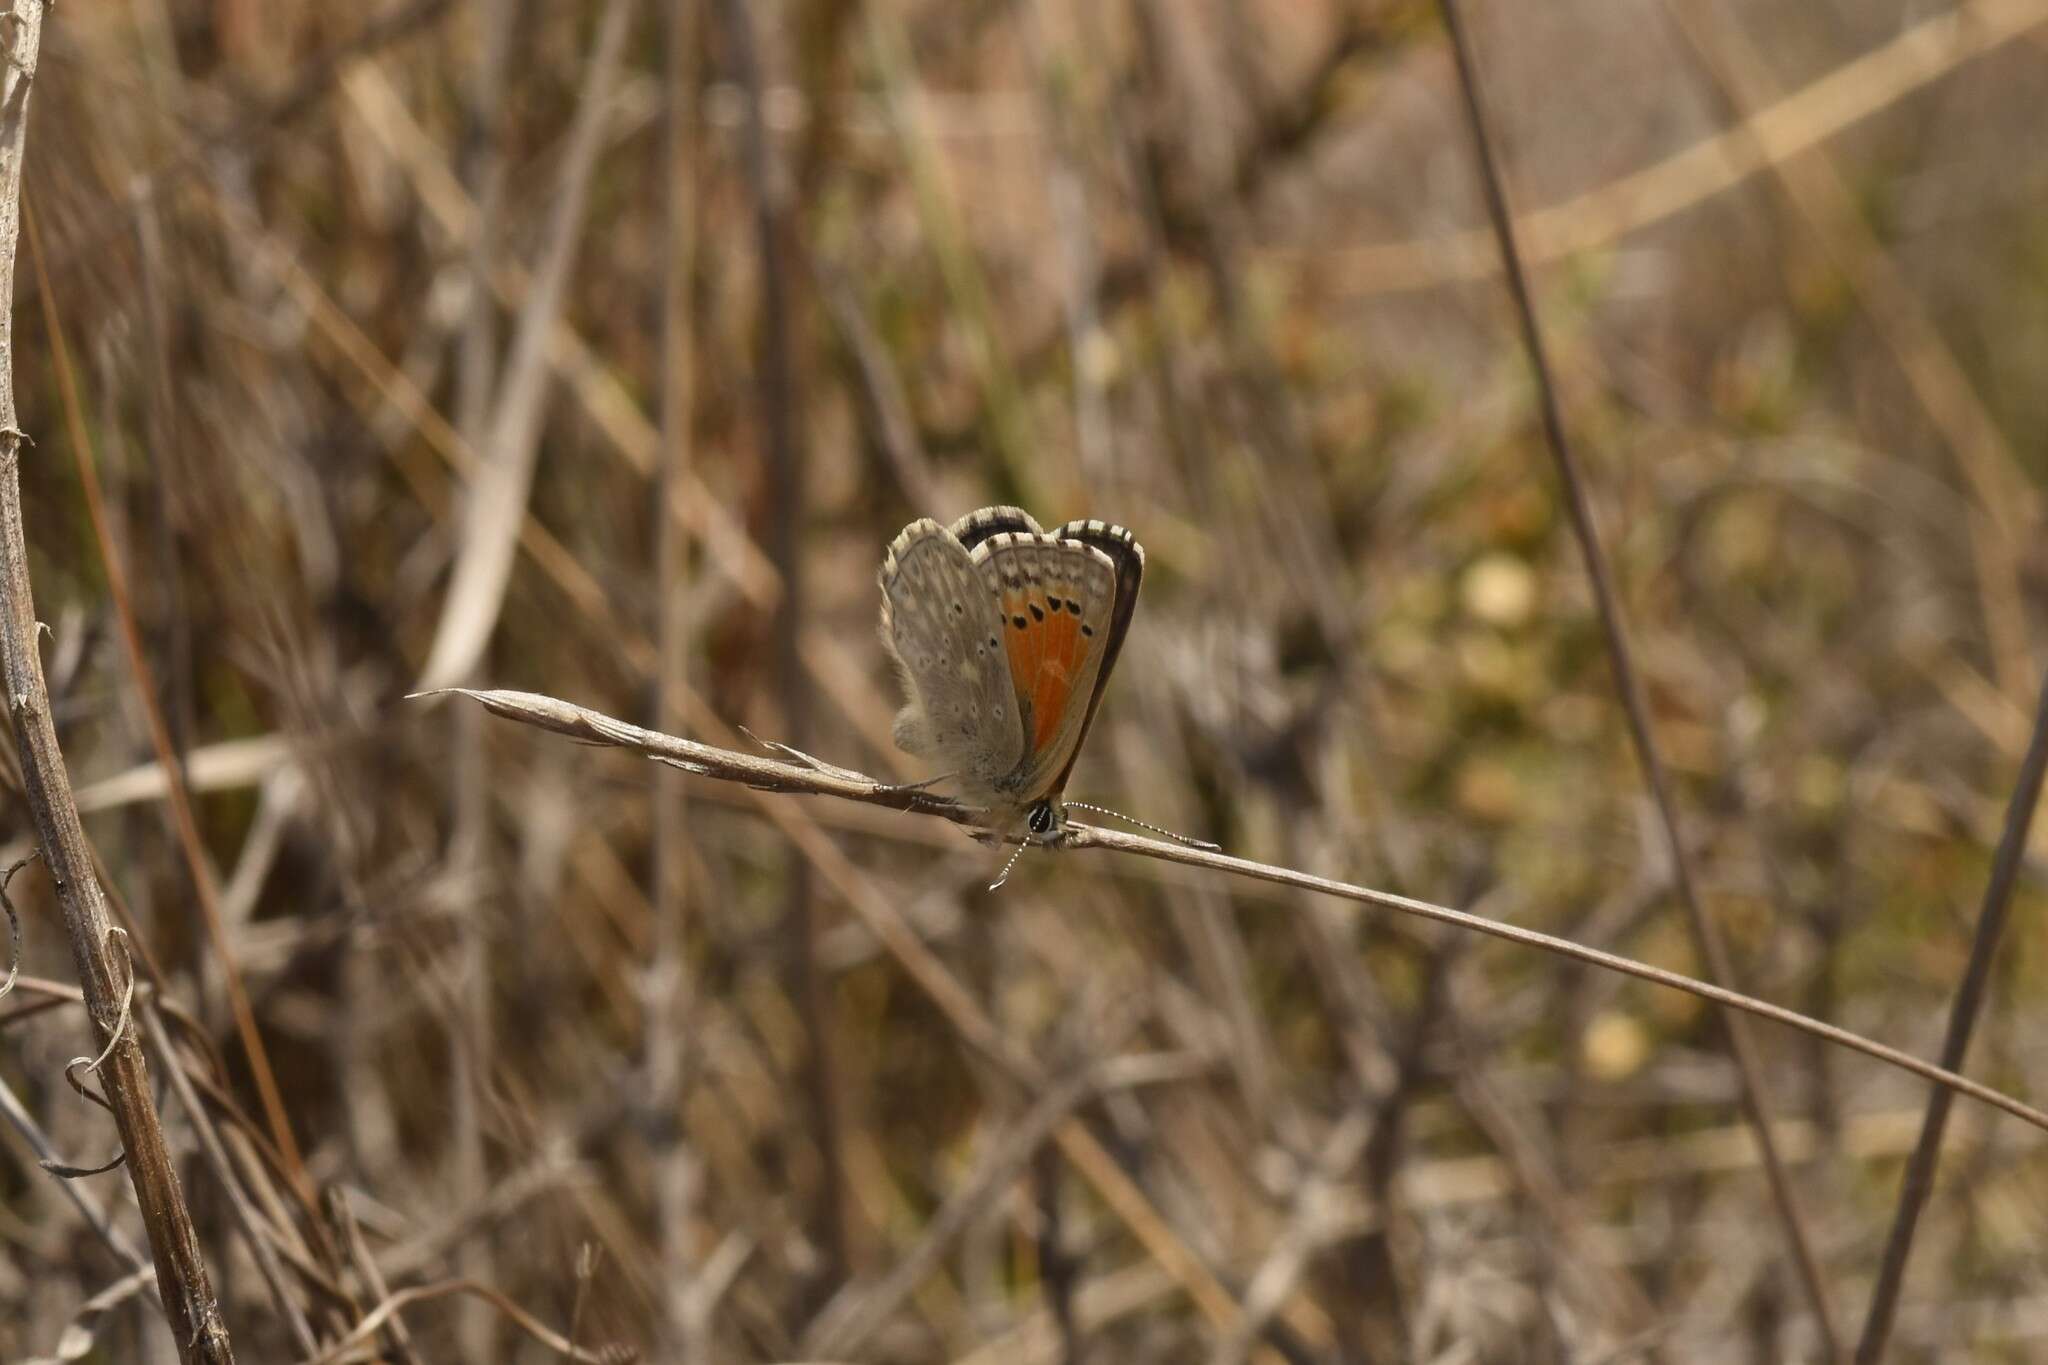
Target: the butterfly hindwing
(939, 622)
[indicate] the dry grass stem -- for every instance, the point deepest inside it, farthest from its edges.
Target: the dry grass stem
(808, 776)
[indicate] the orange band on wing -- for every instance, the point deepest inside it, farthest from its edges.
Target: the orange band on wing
(1045, 653)
(1020, 642)
(1054, 690)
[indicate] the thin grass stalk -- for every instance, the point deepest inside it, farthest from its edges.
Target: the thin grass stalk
(810, 777)
(249, 133)
(883, 918)
(2004, 502)
(482, 165)
(24, 1123)
(185, 824)
(847, 1324)
(604, 399)
(259, 1239)
(1823, 108)
(1962, 1019)
(379, 1318)
(1706, 934)
(965, 283)
(1059, 73)
(666, 1006)
(500, 491)
(779, 394)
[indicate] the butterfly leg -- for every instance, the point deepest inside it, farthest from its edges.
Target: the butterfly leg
(810, 761)
(901, 788)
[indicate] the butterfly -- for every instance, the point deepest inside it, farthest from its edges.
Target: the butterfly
(1005, 634)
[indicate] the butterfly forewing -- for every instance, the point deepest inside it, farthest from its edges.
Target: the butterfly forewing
(1057, 599)
(939, 621)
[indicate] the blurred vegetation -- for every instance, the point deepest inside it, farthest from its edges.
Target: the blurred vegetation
(1218, 271)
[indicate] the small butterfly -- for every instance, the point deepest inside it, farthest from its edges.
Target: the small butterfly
(1005, 634)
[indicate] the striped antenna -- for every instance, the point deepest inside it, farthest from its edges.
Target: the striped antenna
(1203, 844)
(1004, 875)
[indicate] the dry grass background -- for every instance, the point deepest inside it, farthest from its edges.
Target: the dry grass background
(612, 1044)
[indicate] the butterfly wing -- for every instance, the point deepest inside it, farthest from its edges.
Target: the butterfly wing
(940, 624)
(1057, 599)
(972, 529)
(1128, 558)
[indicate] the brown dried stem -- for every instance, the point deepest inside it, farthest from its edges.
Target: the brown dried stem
(182, 1280)
(802, 775)
(1962, 1020)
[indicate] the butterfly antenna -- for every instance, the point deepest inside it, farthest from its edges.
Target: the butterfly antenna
(1004, 875)
(1202, 844)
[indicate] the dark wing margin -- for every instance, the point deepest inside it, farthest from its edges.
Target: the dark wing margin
(976, 527)
(1129, 558)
